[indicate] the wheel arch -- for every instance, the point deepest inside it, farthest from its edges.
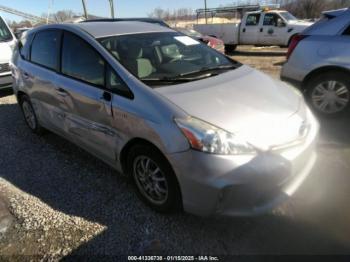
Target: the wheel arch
(322, 70)
(20, 95)
(123, 156)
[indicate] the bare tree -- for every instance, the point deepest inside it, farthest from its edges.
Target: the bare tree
(63, 15)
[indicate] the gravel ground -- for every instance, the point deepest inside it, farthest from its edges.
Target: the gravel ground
(65, 201)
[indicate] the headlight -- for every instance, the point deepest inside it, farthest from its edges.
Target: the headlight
(211, 139)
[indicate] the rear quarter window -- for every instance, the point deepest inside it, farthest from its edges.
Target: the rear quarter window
(24, 46)
(45, 49)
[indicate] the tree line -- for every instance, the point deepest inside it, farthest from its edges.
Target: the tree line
(305, 9)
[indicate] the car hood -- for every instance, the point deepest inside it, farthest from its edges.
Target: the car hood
(300, 23)
(5, 52)
(245, 102)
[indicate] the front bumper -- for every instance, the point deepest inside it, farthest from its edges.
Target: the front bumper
(5, 80)
(243, 185)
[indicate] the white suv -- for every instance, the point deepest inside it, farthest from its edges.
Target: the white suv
(7, 42)
(319, 63)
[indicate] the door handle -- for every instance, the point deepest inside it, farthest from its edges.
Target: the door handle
(261, 30)
(244, 30)
(106, 96)
(61, 92)
(26, 75)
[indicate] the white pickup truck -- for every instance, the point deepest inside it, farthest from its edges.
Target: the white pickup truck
(266, 28)
(7, 42)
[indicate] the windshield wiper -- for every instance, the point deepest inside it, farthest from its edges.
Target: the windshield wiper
(209, 69)
(176, 79)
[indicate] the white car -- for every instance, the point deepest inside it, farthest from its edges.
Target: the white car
(319, 63)
(272, 27)
(7, 42)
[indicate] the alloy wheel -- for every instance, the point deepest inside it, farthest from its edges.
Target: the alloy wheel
(150, 180)
(330, 97)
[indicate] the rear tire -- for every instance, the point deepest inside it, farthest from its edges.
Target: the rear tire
(30, 116)
(230, 48)
(154, 179)
(329, 93)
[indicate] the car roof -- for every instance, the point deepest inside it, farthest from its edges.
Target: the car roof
(105, 29)
(335, 22)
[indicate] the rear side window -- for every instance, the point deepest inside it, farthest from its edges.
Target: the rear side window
(253, 19)
(45, 49)
(81, 61)
(347, 31)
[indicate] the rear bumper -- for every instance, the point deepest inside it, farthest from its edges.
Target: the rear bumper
(5, 80)
(242, 185)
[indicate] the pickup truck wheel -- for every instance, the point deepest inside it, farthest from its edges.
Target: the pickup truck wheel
(30, 116)
(329, 93)
(154, 178)
(230, 48)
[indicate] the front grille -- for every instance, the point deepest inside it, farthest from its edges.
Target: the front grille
(5, 68)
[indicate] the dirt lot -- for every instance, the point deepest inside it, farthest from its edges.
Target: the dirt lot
(66, 202)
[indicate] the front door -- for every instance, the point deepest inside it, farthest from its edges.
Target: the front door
(89, 104)
(273, 30)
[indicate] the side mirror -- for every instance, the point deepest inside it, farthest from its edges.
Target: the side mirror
(280, 23)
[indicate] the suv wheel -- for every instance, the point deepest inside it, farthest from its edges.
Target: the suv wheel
(329, 94)
(154, 178)
(29, 115)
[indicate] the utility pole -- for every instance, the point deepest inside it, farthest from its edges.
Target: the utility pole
(85, 10)
(49, 11)
(111, 3)
(205, 11)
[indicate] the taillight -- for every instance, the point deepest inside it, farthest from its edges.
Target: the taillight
(294, 43)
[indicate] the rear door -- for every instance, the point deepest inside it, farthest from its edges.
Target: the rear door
(82, 85)
(250, 29)
(38, 71)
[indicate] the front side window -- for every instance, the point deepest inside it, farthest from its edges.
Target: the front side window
(45, 48)
(5, 34)
(166, 58)
(271, 20)
(81, 61)
(253, 20)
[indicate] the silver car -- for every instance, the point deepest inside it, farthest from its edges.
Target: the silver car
(194, 129)
(319, 63)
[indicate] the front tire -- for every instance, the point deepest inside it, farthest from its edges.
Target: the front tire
(154, 178)
(329, 93)
(30, 116)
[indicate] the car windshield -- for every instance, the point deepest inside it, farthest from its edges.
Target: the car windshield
(160, 59)
(288, 16)
(5, 34)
